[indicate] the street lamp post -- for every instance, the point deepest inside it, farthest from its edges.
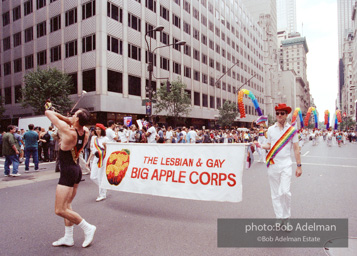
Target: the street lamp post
(151, 66)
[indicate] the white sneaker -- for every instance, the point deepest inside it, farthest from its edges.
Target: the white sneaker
(63, 242)
(15, 174)
(100, 198)
(89, 236)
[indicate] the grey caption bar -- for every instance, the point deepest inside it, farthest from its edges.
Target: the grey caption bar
(276, 233)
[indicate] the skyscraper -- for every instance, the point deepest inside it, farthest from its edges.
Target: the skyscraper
(286, 10)
(344, 15)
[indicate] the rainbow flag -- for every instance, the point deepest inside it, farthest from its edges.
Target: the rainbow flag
(101, 152)
(280, 144)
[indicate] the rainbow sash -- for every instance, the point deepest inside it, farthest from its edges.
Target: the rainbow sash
(280, 144)
(101, 153)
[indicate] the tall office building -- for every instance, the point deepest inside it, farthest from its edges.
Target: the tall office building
(286, 12)
(102, 46)
(344, 16)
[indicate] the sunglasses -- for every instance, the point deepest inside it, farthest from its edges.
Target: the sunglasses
(280, 113)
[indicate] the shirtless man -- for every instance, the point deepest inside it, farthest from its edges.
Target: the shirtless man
(73, 138)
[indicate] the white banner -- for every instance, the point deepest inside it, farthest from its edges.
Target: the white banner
(211, 172)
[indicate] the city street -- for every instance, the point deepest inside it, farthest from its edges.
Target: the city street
(134, 224)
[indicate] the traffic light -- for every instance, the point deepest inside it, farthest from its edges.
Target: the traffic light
(147, 92)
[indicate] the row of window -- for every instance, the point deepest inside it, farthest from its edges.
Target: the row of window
(88, 10)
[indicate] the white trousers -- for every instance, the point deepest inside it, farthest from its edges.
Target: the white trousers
(96, 176)
(261, 152)
(280, 179)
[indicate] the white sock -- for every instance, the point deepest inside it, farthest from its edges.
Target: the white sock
(68, 232)
(85, 226)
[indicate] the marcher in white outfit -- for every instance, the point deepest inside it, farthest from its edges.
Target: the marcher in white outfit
(97, 172)
(280, 172)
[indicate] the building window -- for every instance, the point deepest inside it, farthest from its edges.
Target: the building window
(187, 50)
(114, 45)
(16, 13)
(176, 46)
(115, 81)
(51, 1)
(187, 72)
(187, 28)
(17, 65)
(204, 39)
(196, 75)
(41, 29)
(6, 18)
(7, 68)
(28, 7)
(177, 2)
(56, 53)
(196, 34)
(134, 85)
(28, 34)
(204, 20)
(41, 58)
(71, 17)
(211, 62)
(40, 4)
(176, 21)
(211, 81)
(186, 6)
(211, 44)
(134, 52)
(7, 95)
(74, 80)
(204, 100)
(18, 94)
(218, 102)
(134, 22)
(204, 58)
(17, 39)
(114, 12)
(177, 68)
(28, 61)
(88, 10)
(196, 54)
(150, 27)
(196, 13)
(151, 5)
(164, 63)
(164, 13)
(71, 49)
(88, 43)
(164, 38)
(204, 78)
(211, 102)
(196, 99)
(55, 23)
(89, 80)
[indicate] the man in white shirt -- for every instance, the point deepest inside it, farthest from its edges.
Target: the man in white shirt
(280, 172)
(191, 135)
(151, 133)
(110, 133)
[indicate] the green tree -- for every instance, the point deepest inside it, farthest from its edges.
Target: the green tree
(271, 120)
(175, 101)
(44, 84)
(227, 113)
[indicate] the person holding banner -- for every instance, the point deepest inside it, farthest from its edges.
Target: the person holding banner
(74, 135)
(282, 137)
(97, 149)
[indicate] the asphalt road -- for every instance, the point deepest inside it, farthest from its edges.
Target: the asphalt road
(134, 224)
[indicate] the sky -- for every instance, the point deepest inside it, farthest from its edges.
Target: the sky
(317, 21)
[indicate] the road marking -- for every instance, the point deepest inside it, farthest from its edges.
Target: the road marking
(331, 165)
(306, 153)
